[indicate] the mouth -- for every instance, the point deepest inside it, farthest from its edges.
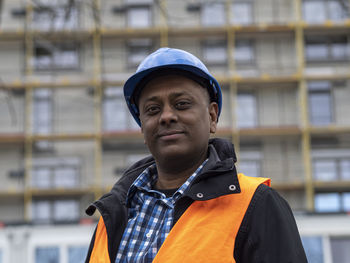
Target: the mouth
(170, 135)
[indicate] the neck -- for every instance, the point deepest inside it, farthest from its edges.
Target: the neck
(174, 174)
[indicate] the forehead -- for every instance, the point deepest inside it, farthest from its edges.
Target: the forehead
(171, 84)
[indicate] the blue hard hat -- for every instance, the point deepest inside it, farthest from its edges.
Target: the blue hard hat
(169, 58)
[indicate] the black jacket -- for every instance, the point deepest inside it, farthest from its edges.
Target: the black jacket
(268, 232)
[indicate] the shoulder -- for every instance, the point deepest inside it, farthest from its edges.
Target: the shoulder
(268, 230)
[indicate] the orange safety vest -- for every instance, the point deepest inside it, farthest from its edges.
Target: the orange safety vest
(206, 232)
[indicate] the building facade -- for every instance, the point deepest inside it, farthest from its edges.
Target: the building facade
(66, 134)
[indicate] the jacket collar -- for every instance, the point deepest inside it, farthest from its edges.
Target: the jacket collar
(218, 177)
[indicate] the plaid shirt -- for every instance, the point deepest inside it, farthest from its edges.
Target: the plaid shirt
(150, 217)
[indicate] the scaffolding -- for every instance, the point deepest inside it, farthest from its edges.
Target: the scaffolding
(162, 32)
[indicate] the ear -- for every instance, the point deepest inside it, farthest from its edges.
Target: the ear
(213, 116)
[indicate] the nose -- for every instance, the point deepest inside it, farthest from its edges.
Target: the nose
(168, 115)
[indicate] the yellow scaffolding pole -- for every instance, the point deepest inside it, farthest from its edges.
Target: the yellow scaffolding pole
(97, 99)
(232, 82)
(28, 151)
(164, 38)
(303, 101)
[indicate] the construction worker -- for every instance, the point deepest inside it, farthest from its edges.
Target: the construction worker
(186, 202)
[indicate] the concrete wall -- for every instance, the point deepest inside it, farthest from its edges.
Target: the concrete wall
(114, 55)
(12, 115)
(83, 150)
(275, 54)
(282, 160)
(11, 159)
(225, 120)
(273, 11)
(341, 105)
(277, 106)
(12, 60)
(11, 23)
(119, 160)
(12, 209)
(73, 110)
(179, 16)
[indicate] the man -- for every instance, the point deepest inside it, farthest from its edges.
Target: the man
(186, 202)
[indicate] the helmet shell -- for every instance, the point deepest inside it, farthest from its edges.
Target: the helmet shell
(173, 59)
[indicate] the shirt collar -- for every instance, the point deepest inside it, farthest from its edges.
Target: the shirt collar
(148, 178)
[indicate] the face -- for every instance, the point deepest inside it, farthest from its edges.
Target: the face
(176, 118)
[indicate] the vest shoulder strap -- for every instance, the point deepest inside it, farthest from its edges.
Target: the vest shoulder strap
(207, 230)
(99, 252)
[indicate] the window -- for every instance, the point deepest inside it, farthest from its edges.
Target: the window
(332, 202)
(320, 103)
(318, 11)
(77, 254)
(55, 173)
(241, 13)
(325, 49)
(138, 49)
(139, 16)
(325, 170)
(1, 260)
(55, 15)
(65, 210)
(313, 249)
(41, 211)
(327, 202)
(42, 111)
(246, 110)
(48, 211)
(345, 169)
(116, 116)
(50, 56)
(340, 249)
(346, 202)
(47, 255)
(331, 169)
(250, 167)
(250, 160)
(244, 52)
(213, 14)
(214, 52)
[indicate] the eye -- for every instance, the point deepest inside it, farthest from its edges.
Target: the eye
(152, 109)
(182, 104)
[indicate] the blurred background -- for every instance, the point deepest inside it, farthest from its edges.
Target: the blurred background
(66, 135)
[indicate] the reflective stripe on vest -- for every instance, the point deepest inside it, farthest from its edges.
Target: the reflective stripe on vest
(207, 230)
(100, 253)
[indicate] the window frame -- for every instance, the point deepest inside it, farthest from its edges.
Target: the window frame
(321, 90)
(326, 9)
(41, 12)
(130, 124)
(205, 21)
(53, 65)
(131, 8)
(212, 43)
(137, 44)
(338, 168)
(54, 164)
(39, 98)
(51, 213)
(256, 111)
(328, 42)
(250, 19)
(252, 47)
